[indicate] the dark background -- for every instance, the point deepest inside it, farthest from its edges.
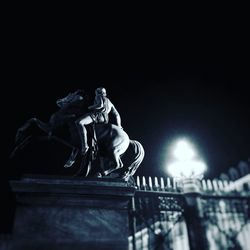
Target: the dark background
(158, 102)
(192, 83)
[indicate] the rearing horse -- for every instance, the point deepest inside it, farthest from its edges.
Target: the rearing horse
(109, 141)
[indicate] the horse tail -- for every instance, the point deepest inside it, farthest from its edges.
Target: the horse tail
(139, 156)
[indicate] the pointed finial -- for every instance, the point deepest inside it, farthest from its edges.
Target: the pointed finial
(144, 184)
(150, 183)
(215, 185)
(209, 185)
(138, 182)
(204, 185)
(156, 183)
(162, 184)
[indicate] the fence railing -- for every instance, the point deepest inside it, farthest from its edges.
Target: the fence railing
(211, 214)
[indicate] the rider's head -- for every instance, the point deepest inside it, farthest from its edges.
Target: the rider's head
(101, 91)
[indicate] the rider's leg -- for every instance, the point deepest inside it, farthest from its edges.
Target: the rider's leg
(86, 120)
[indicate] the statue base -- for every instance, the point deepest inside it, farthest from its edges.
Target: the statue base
(71, 213)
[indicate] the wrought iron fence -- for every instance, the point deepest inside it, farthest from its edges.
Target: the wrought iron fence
(213, 214)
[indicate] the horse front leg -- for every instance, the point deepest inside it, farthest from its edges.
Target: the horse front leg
(72, 158)
(20, 135)
(22, 138)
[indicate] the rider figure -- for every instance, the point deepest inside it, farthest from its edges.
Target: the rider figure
(99, 114)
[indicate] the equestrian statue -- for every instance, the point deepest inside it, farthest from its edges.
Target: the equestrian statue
(98, 145)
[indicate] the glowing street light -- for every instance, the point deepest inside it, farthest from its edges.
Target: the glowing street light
(183, 150)
(187, 168)
(185, 161)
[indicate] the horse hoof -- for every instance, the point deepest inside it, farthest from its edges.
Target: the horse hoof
(109, 171)
(98, 175)
(69, 164)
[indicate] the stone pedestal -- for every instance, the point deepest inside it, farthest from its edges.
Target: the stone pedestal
(71, 213)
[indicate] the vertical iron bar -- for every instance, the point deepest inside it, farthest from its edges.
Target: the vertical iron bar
(133, 222)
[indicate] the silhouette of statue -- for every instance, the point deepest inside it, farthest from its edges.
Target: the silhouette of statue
(108, 141)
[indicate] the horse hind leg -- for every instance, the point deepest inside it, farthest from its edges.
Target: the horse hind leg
(116, 160)
(139, 154)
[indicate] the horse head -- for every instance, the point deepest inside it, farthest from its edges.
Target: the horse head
(71, 106)
(71, 99)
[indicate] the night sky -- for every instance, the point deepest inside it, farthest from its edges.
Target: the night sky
(161, 90)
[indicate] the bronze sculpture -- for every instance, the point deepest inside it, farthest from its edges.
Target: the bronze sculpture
(107, 142)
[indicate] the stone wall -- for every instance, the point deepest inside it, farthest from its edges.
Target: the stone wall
(71, 213)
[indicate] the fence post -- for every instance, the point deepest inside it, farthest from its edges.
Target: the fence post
(133, 222)
(193, 213)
